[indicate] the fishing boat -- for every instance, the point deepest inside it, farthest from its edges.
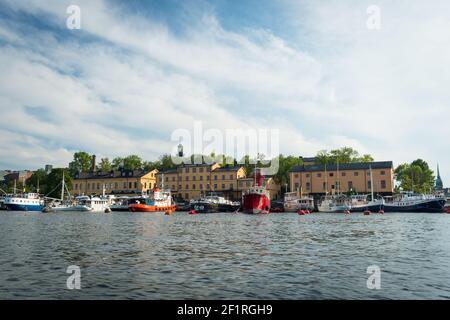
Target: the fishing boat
(361, 203)
(411, 202)
(160, 200)
(25, 202)
(256, 199)
(294, 203)
(213, 203)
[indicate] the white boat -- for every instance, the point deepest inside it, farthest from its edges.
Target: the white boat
(294, 203)
(60, 205)
(25, 202)
(361, 203)
(335, 204)
(92, 204)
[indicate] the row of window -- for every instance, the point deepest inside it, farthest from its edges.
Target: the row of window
(338, 186)
(99, 186)
(194, 178)
(201, 186)
(343, 174)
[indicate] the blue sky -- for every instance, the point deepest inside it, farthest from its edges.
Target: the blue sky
(138, 70)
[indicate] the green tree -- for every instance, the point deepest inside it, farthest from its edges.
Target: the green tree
(132, 162)
(37, 180)
(104, 165)
(53, 182)
(117, 163)
(416, 176)
(342, 155)
(81, 162)
(285, 165)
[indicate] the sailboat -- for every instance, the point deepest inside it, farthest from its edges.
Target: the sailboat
(334, 203)
(360, 203)
(60, 205)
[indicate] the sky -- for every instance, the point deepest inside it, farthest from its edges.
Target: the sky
(136, 71)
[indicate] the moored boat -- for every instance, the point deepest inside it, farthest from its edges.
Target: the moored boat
(160, 200)
(410, 202)
(335, 204)
(361, 203)
(91, 204)
(26, 202)
(256, 200)
(294, 203)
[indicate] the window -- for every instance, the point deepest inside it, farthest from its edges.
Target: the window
(223, 185)
(186, 195)
(187, 179)
(201, 186)
(319, 175)
(193, 187)
(201, 178)
(369, 184)
(173, 178)
(98, 186)
(296, 175)
(343, 174)
(208, 178)
(383, 173)
(331, 174)
(124, 185)
(200, 170)
(383, 184)
(308, 186)
(231, 186)
(307, 175)
(187, 187)
(231, 177)
(130, 185)
(350, 185)
(356, 173)
(215, 177)
(223, 177)
(135, 185)
(194, 178)
(194, 170)
(215, 186)
(187, 170)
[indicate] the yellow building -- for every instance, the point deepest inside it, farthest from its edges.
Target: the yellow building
(119, 182)
(319, 179)
(193, 181)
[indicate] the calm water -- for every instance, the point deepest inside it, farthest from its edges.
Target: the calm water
(229, 256)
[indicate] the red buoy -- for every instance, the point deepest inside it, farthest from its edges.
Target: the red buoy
(307, 212)
(381, 211)
(192, 212)
(301, 212)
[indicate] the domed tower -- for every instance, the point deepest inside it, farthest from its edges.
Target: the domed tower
(439, 185)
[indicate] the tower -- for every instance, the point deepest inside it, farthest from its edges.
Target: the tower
(439, 185)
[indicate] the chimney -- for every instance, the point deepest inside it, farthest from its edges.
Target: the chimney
(93, 168)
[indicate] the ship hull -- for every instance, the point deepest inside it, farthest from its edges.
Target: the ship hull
(22, 207)
(372, 208)
(256, 204)
(204, 207)
(228, 207)
(150, 208)
(429, 206)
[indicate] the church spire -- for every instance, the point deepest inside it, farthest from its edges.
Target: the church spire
(439, 184)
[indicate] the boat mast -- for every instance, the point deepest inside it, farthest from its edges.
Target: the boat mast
(37, 189)
(62, 187)
(15, 186)
(371, 181)
(338, 181)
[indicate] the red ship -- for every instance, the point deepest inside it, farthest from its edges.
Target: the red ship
(256, 199)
